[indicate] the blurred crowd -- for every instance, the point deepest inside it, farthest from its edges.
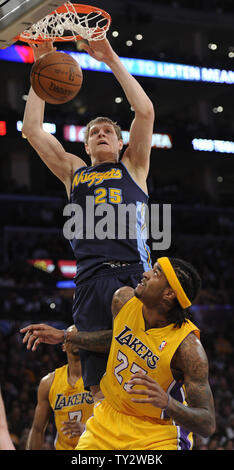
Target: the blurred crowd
(218, 339)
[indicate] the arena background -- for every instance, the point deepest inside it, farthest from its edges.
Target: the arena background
(192, 168)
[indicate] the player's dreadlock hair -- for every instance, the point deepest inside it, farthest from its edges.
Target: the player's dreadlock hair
(191, 283)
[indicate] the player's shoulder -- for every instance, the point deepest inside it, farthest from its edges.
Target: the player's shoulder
(191, 355)
(120, 297)
(46, 382)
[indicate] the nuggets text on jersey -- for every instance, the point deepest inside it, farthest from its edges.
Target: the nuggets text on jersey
(95, 177)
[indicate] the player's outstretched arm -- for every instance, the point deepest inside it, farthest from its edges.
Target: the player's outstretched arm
(61, 163)
(98, 341)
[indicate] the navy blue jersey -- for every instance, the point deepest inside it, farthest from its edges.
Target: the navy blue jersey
(110, 218)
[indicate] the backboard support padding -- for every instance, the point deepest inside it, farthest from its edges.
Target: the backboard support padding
(18, 15)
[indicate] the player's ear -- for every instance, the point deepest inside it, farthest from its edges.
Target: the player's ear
(120, 144)
(87, 149)
(169, 294)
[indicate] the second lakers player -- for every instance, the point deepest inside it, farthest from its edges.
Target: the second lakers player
(62, 391)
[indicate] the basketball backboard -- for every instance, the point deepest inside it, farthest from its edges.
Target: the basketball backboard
(18, 15)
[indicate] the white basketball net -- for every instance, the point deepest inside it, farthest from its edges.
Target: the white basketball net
(91, 26)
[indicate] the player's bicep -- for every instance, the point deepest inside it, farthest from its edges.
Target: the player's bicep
(195, 367)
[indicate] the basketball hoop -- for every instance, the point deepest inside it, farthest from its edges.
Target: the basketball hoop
(69, 22)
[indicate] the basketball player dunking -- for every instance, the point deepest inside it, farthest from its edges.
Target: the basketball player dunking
(103, 266)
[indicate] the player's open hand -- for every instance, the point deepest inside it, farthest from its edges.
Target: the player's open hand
(154, 394)
(41, 333)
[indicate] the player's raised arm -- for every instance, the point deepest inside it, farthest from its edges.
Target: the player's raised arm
(61, 163)
(137, 155)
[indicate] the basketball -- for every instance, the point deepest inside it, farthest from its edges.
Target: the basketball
(56, 77)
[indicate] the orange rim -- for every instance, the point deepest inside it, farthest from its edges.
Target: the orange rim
(63, 9)
(81, 9)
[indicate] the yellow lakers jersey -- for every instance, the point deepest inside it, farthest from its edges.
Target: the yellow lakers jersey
(68, 403)
(150, 351)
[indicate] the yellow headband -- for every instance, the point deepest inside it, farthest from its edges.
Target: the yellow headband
(174, 281)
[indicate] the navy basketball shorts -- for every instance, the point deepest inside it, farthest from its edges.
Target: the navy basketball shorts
(92, 312)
